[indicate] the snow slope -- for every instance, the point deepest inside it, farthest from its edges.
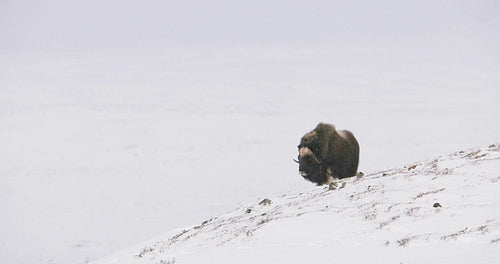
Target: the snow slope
(102, 149)
(445, 210)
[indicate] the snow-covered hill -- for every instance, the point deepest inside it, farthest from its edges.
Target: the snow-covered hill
(445, 210)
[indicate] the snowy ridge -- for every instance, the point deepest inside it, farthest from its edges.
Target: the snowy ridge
(441, 210)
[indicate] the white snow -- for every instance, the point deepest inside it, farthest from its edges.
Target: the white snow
(103, 149)
(383, 217)
(120, 120)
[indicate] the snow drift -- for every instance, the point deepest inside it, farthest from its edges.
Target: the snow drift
(445, 210)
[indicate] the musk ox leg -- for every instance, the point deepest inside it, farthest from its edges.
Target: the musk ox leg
(329, 179)
(330, 175)
(329, 171)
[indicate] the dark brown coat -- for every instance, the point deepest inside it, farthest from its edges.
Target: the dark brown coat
(326, 153)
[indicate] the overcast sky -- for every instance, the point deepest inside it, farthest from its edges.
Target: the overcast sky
(33, 25)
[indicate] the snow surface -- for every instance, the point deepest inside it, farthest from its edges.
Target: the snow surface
(102, 149)
(388, 216)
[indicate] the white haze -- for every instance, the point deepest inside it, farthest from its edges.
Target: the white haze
(55, 25)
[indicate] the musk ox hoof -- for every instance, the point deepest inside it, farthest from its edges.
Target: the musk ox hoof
(332, 186)
(335, 185)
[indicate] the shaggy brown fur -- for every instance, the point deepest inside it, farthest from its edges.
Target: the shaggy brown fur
(326, 152)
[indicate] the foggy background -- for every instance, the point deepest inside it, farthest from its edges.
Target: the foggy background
(84, 25)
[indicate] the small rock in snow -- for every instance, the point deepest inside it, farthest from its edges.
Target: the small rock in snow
(265, 202)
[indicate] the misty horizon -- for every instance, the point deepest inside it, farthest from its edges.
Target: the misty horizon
(30, 26)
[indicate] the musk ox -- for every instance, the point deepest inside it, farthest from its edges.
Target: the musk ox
(325, 154)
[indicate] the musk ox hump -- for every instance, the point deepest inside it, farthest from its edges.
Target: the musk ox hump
(344, 134)
(325, 127)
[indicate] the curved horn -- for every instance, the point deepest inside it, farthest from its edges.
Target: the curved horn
(304, 151)
(296, 160)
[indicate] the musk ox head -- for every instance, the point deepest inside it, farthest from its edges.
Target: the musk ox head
(309, 164)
